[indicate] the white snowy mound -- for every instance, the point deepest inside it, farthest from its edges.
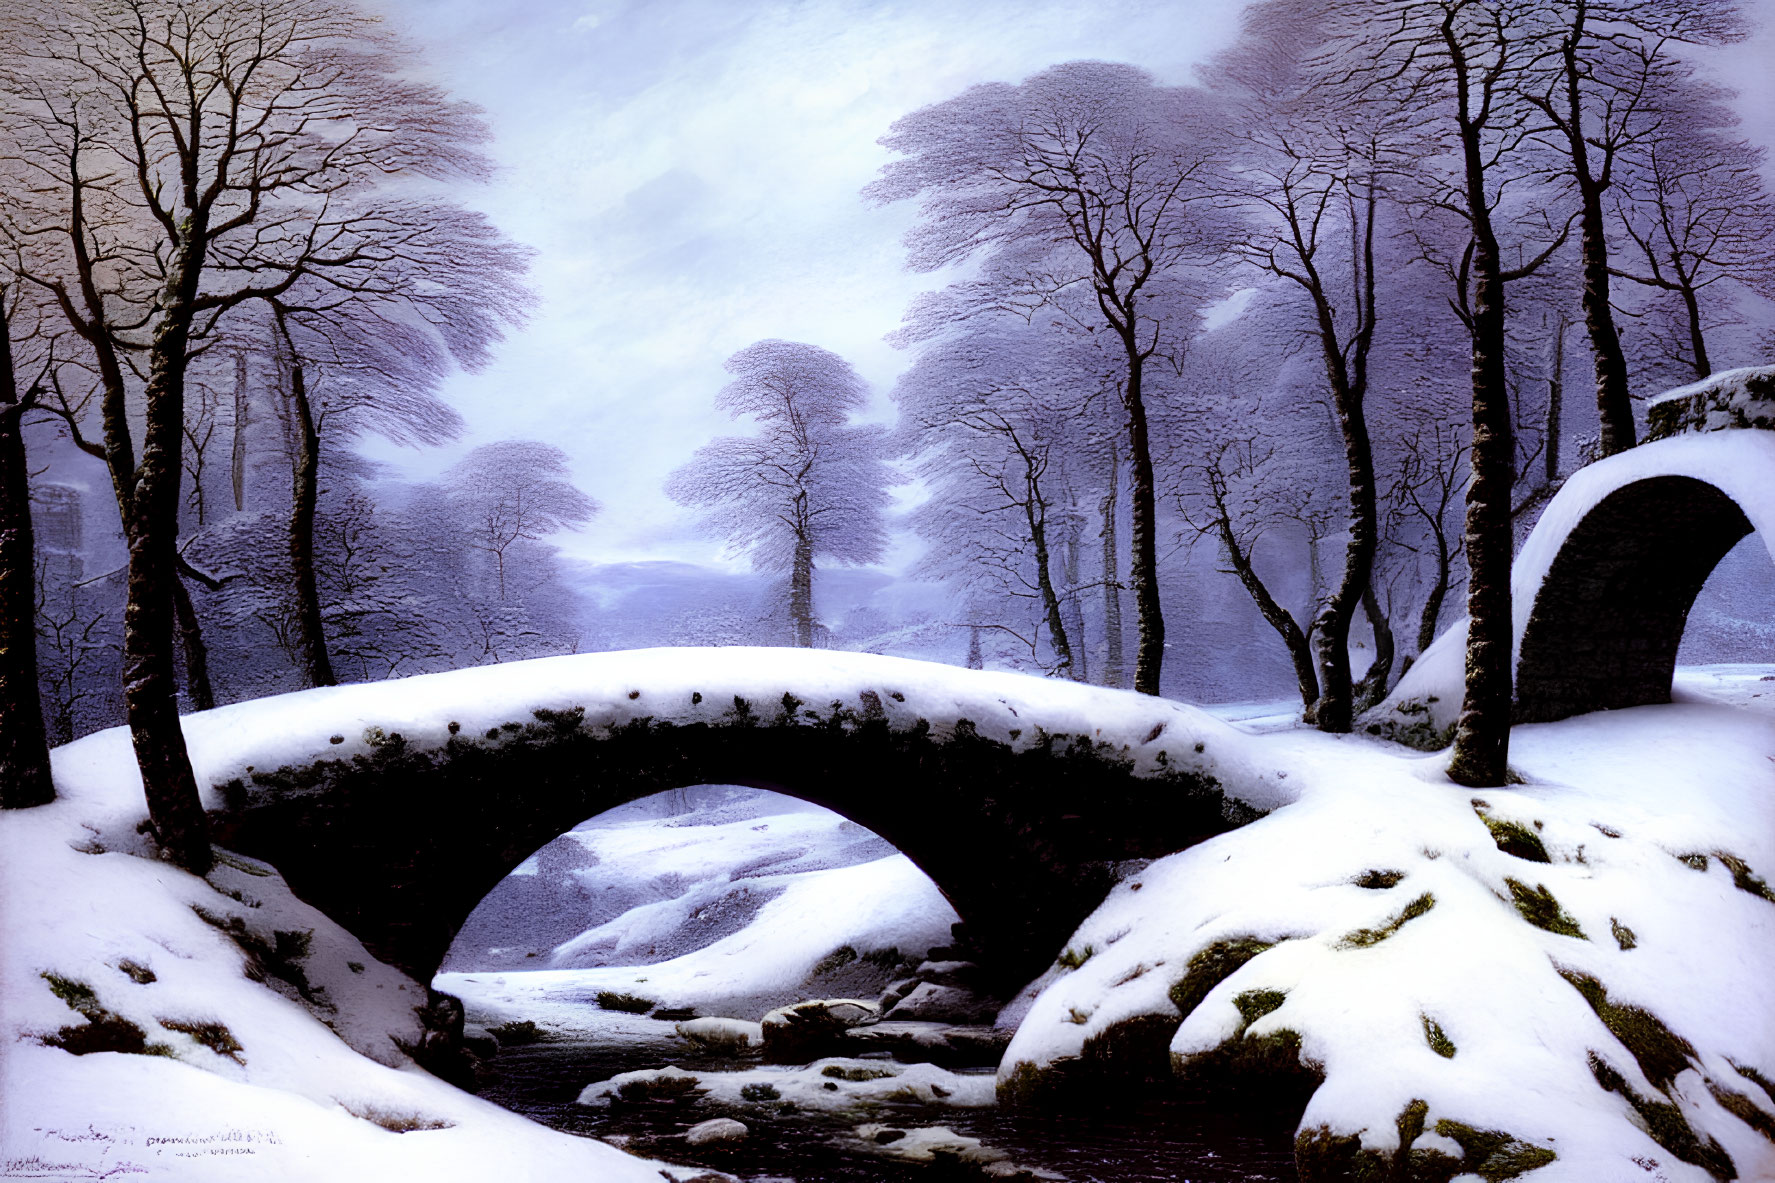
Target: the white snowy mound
(1608, 1013)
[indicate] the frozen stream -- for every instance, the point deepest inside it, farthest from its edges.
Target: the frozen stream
(729, 902)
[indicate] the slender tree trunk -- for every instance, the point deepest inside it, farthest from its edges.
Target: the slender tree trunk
(801, 592)
(1300, 648)
(197, 654)
(1035, 512)
(1374, 684)
(311, 637)
(24, 745)
(1335, 709)
(1555, 402)
(1697, 338)
(1482, 736)
(1113, 672)
(237, 460)
(1614, 405)
(175, 806)
(1431, 615)
(1149, 657)
(1069, 571)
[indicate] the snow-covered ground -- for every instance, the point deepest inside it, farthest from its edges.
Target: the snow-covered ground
(729, 903)
(1399, 929)
(1626, 937)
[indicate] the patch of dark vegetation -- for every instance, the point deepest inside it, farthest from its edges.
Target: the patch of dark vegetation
(1378, 880)
(1665, 1124)
(628, 1004)
(1494, 1155)
(1537, 906)
(1512, 837)
(1438, 1039)
(1743, 878)
(140, 974)
(1255, 1004)
(1623, 935)
(886, 958)
(836, 960)
(517, 1031)
(856, 1075)
(1363, 938)
(215, 1036)
(396, 1121)
(1661, 1053)
(366, 833)
(1756, 1078)
(758, 1093)
(103, 1031)
(1211, 967)
(1695, 861)
(1744, 1109)
(1071, 958)
(278, 958)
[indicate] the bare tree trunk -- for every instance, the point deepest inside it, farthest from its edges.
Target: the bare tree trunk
(1482, 736)
(175, 806)
(197, 653)
(317, 664)
(1335, 709)
(1035, 511)
(1697, 338)
(1069, 571)
(1300, 648)
(1555, 402)
(237, 460)
(801, 592)
(1432, 610)
(24, 746)
(1113, 672)
(1374, 684)
(1149, 657)
(1614, 405)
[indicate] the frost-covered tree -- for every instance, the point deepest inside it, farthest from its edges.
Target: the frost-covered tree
(810, 485)
(512, 492)
(189, 160)
(1082, 189)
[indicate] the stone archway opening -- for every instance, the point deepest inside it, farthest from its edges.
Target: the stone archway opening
(1608, 619)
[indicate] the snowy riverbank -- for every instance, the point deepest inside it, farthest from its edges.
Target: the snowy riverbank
(1575, 976)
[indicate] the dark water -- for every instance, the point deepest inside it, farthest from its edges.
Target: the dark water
(1155, 1139)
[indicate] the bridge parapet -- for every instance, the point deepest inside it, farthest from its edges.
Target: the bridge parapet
(1743, 398)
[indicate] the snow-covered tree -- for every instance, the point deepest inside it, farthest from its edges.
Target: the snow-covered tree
(1084, 189)
(516, 491)
(810, 485)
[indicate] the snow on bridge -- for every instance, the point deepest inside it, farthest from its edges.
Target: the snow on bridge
(395, 806)
(1603, 586)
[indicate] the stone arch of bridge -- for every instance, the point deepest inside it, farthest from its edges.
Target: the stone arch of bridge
(401, 843)
(1605, 583)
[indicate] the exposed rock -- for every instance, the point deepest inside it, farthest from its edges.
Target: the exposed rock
(716, 1131)
(931, 1003)
(727, 1037)
(808, 1030)
(944, 1045)
(963, 974)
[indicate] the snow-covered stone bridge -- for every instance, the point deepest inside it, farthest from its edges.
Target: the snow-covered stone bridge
(1603, 586)
(394, 807)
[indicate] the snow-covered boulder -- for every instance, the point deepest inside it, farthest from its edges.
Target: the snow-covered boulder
(1732, 399)
(794, 1034)
(1574, 976)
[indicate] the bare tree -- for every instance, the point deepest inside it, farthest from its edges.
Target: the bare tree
(1089, 179)
(195, 158)
(810, 485)
(515, 491)
(1464, 68)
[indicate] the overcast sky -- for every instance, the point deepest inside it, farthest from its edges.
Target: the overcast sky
(688, 172)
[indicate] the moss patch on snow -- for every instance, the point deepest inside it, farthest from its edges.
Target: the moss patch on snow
(103, 1031)
(1321, 1155)
(1538, 907)
(1363, 938)
(1212, 966)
